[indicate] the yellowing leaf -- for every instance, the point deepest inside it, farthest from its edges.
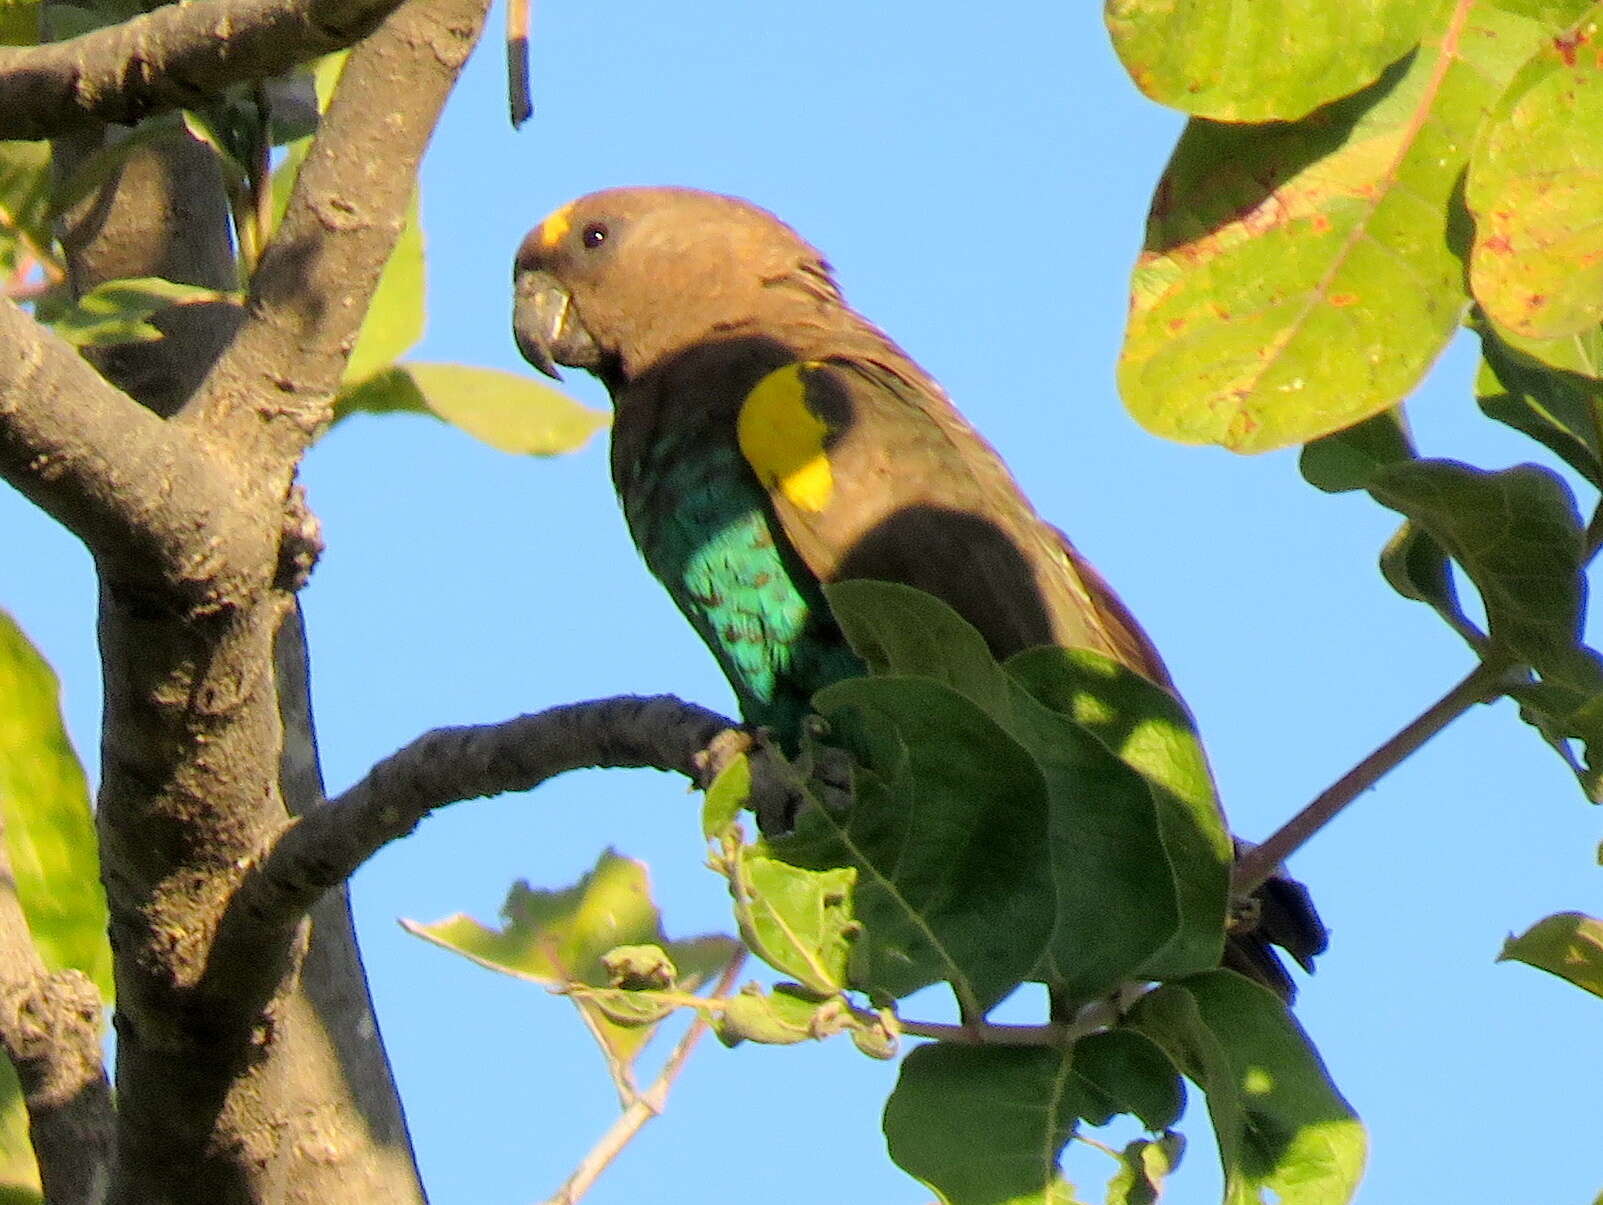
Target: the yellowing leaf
(507, 411)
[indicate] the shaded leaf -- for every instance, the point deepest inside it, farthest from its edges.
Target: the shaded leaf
(1269, 59)
(897, 629)
(1169, 830)
(1279, 1121)
(984, 1125)
(116, 311)
(725, 797)
(944, 836)
(1535, 189)
(1299, 277)
(49, 829)
(1550, 390)
(1346, 459)
(507, 411)
(1518, 536)
(1416, 567)
(1568, 944)
(1123, 1072)
(1143, 1167)
(559, 938)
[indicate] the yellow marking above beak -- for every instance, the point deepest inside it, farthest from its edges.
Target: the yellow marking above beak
(556, 226)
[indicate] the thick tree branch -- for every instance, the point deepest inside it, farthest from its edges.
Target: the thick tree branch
(270, 392)
(321, 850)
(50, 1029)
(137, 491)
(178, 56)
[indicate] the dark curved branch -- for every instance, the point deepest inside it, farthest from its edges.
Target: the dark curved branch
(180, 55)
(50, 1029)
(322, 849)
(315, 279)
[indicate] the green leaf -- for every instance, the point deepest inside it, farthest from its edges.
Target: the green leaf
(1346, 459)
(1416, 567)
(944, 836)
(984, 1125)
(1270, 59)
(725, 798)
(1279, 1121)
(1535, 189)
(1143, 1167)
(790, 1014)
(1299, 277)
(49, 829)
(19, 1173)
(396, 314)
(1517, 535)
(507, 411)
(1142, 854)
(897, 629)
(117, 311)
(24, 199)
(1551, 390)
(561, 938)
(1123, 1072)
(797, 920)
(1568, 944)
(19, 24)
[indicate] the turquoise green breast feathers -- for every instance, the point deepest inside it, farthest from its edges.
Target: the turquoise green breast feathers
(768, 439)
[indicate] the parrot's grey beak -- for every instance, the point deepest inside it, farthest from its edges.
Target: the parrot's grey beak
(546, 327)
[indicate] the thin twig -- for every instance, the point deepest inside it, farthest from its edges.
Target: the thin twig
(645, 1106)
(1484, 683)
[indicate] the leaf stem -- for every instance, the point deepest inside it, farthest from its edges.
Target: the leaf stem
(644, 1107)
(1485, 682)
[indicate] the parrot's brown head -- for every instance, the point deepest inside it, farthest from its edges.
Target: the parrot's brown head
(618, 280)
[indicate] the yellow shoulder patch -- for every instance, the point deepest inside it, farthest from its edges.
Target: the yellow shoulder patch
(783, 440)
(555, 226)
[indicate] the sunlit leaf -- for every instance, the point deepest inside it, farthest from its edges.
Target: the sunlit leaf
(1535, 189)
(19, 1173)
(1299, 277)
(984, 1125)
(1267, 59)
(117, 311)
(506, 410)
(1279, 1121)
(562, 937)
(1143, 1167)
(49, 830)
(1568, 944)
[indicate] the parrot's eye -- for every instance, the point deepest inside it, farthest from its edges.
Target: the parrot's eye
(594, 235)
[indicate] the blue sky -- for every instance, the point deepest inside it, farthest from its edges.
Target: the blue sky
(980, 181)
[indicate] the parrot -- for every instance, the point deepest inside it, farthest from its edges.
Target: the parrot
(768, 439)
